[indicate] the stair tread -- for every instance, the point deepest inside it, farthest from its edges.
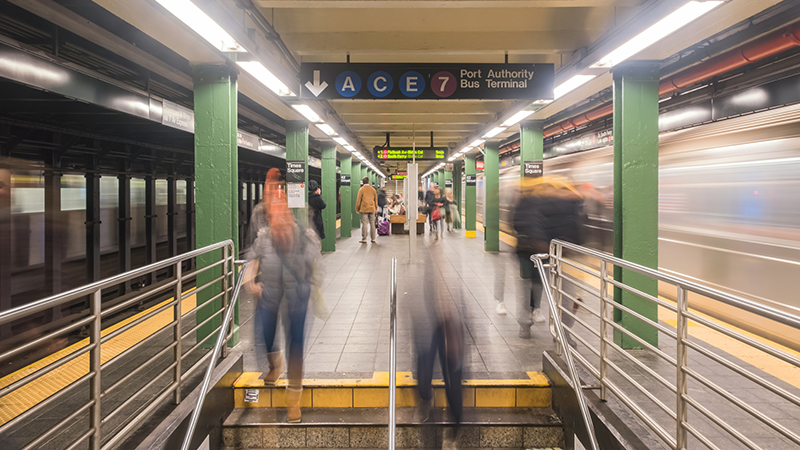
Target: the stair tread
(276, 417)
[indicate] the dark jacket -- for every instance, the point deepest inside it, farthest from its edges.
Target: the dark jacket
(540, 219)
(381, 198)
(429, 201)
(317, 204)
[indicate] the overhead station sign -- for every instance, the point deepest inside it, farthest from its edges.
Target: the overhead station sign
(427, 81)
(407, 154)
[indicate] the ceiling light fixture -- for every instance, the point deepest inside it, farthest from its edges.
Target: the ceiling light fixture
(661, 29)
(350, 148)
(571, 84)
(262, 74)
(341, 141)
(494, 132)
(308, 113)
(203, 25)
(465, 150)
(477, 143)
(517, 118)
(325, 128)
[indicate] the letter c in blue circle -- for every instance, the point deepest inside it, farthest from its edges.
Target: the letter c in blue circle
(380, 84)
(348, 83)
(412, 84)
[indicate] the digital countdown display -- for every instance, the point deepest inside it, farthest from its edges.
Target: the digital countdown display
(407, 154)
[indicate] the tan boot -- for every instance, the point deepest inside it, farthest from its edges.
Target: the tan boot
(275, 368)
(293, 404)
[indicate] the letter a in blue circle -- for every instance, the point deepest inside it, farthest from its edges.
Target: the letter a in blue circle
(412, 84)
(380, 84)
(348, 83)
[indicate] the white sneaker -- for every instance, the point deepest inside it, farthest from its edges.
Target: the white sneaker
(536, 316)
(501, 309)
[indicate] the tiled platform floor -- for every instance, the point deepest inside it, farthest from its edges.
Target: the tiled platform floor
(353, 338)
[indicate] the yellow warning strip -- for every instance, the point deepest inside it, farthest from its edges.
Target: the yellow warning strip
(250, 392)
(505, 237)
(24, 398)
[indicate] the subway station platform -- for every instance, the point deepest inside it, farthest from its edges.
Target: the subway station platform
(352, 339)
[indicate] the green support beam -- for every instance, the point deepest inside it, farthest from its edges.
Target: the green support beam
(356, 185)
(491, 219)
(216, 184)
(457, 166)
(346, 228)
(636, 194)
(470, 199)
(297, 150)
(329, 196)
(531, 138)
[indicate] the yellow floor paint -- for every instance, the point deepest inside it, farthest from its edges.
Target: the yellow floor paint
(505, 237)
(373, 392)
(22, 399)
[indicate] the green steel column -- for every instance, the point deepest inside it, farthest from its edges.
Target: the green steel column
(297, 150)
(216, 182)
(469, 197)
(636, 193)
(346, 199)
(457, 190)
(329, 195)
(491, 172)
(355, 185)
(531, 139)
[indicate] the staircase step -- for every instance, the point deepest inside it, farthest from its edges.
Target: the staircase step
(511, 428)
(534, 391)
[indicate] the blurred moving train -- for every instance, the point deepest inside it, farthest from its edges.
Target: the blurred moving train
(729, 209)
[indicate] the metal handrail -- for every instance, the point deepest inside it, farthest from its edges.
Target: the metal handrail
(392, 354)
(92, 347)
(573, 373)
(680, 361)
(222, 339)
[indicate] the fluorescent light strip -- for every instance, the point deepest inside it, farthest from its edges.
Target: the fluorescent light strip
(571, 84)
(663, 28)
(203, 25)
(494, 132)
(350, 148)
(308, 113)
(262, 74)
(340, 141)
(477, 143)
(516, 118)
(325, 128)
(465, 150)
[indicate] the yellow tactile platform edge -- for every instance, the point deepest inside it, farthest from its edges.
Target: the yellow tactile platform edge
(374, 392)
(38, 390)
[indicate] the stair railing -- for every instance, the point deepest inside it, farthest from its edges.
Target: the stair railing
(562, 340)
(222, 339)
(392, 354)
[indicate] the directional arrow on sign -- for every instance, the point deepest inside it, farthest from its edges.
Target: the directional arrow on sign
(316, 88)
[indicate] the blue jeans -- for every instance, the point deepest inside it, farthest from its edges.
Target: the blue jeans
(294, 321)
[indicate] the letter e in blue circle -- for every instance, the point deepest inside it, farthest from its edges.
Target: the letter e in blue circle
(348, 83)
(380, 84)
(412, 84)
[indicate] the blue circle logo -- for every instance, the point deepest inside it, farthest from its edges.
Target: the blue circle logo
(348, 83)
(380, 84)
(412, 84)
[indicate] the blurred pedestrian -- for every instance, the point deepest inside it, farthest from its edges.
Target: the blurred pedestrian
(366, 205)
(316, 204)
(438, 330)
(283, 258)
(450, 215)
(429, 196)
(548, 208)
(439, 212)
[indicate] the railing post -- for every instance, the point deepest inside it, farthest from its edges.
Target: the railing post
(681, 407)
(392, 353)
(603, 330)
(95, 362)
(176, 333)
(225, 275)
(556, 283)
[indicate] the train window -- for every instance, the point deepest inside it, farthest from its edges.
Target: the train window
(161, 192)
(181, 188)
(73, 192)
(27, 193)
